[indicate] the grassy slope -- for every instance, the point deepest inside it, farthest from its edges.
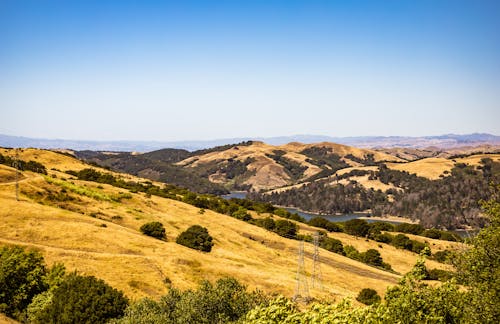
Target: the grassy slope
(137, 264)
(270, 174)
(432, 168)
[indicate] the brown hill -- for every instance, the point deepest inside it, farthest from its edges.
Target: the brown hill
(270, 167)
(94, 229)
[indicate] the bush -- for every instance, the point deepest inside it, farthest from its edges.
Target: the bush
(82, 299)
(409, 228)
(331, 244)
(196, 237)
(225, 301)
(402, 242)
(242, 214)
(381, 226)
(432, 233)
(285, 228)
(372, 257)
(368, 296)
(154, 229)
(438, 274)
(267, 223)
(443, 256)
(324, 223)
(21, 278)
(356, 227)
(383, 238)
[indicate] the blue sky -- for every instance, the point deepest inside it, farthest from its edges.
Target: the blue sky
(187, 70)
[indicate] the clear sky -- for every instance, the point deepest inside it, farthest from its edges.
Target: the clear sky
(191, 70)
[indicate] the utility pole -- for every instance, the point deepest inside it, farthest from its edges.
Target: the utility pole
(16, 164)
(317, 278)
(301, 289)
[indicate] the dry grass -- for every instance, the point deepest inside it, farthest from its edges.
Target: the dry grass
(5, 320)
(476, 159)
(71, 232)
(433, 168)
(271, 175)
(8, 174)
(430, 168)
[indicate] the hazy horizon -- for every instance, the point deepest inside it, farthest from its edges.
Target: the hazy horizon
(169, 71)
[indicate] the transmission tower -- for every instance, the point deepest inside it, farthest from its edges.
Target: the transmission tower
(16, 164)
(317, 278)
(301, 290)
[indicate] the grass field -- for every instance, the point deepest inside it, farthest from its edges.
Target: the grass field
(73, 222)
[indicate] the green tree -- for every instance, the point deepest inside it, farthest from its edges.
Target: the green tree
(223, 302)
(285, 228)
(154, 229)
(54, 278)
(84, 299)
(356, 227)
(372, 257)
(242, 214)
(196, 237)
(479, 268)
(22, 275)
(368, 296)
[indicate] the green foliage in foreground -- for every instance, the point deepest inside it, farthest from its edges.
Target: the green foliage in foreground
(479, 268)
(83, 299)
(154, 229)
(413, 301)
(196, 237)
(224, 302)
(22, 275)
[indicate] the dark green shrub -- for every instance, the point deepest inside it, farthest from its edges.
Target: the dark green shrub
(356, 227)
(351, 252)
(368, 296)
(154, 229)
(285, 228)
(372, 257)
(82, 299)
(417, 246)
(331, 244)
(267, 223)
(402, 241)
(21, 278)
(381, 226)
(432, 233)
(409, 228)
(324, 223)
(383, 238)
(442, 256)
(449, 236)
(438, 274)
(242, 214)
(226, 301)
(196, 237)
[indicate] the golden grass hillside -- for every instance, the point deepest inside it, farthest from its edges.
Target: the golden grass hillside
(268, 174)
(94, 229)
(433, 168)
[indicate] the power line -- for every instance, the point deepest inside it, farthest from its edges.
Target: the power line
(317, 277)
(301, 289)
(16, 163)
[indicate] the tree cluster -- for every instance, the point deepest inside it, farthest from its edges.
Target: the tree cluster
(30, 292)
(23, 165)
(196, 237)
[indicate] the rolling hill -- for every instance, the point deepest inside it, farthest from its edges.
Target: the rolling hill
(94, 228)
(244, 166)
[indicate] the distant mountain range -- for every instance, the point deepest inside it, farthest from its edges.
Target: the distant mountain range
(442, 141)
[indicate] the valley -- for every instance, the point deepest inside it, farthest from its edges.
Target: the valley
(329, 178)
